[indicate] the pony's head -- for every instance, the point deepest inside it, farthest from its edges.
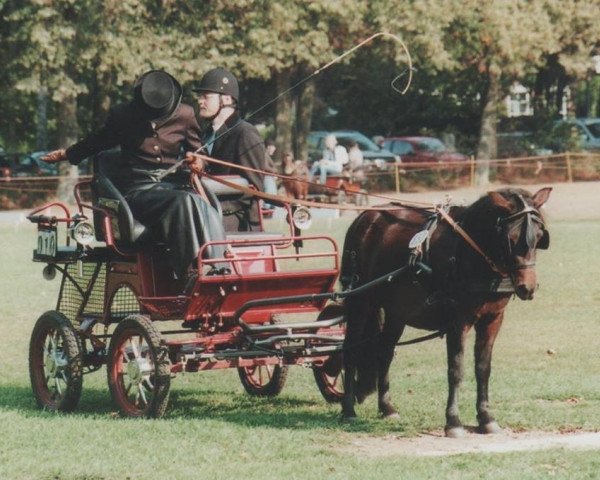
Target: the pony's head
(519, 231)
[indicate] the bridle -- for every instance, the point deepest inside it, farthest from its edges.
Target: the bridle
(525, 220)
(526, 217)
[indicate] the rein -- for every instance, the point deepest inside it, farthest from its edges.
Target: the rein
(285, 199)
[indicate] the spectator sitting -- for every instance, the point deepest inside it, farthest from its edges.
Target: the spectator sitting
(334, 158)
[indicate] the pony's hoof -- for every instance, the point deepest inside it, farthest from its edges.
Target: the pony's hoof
(391, 416)
(490, 428)
(349, 419)
(454, 432)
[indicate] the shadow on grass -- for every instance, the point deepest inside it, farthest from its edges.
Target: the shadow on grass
(283, 412)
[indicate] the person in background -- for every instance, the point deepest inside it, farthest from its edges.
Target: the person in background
(232, 139)
(270, 182)
(355, 155)
(334, 158)
(297, 186)
(152, 130)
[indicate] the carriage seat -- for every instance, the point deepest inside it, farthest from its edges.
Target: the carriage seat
(126, 229)
(223, 192)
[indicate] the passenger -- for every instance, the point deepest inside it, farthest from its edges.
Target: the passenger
(334, 158)
(152, 130)
(232, 139)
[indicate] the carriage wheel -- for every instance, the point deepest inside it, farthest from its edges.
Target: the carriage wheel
(263, 380)
(330, 377)
(55, 363)
(138, 370)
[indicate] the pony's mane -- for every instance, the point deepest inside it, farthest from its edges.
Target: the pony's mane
(484, 206)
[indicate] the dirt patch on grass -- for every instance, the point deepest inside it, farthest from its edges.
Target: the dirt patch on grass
(434, 444)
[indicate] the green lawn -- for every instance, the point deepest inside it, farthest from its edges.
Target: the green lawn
(213, 430)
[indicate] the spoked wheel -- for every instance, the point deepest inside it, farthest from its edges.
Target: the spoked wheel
(330, 377)
(139, 376)
(263, 380)
(55, 363)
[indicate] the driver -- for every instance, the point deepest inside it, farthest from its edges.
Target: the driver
(152, 131)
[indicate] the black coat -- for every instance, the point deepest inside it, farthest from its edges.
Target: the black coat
(169, 209)
(238, 141)
(146, 147)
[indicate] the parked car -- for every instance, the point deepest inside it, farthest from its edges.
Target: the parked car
(374, 156)
(31, 165)
(587, 130)
(422, 149)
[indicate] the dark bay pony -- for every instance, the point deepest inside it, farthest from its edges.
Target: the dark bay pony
(466, 289)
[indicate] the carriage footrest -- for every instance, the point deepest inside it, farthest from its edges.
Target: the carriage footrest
(63, 255)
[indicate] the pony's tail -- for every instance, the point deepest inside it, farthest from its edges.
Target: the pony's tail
(348, 270)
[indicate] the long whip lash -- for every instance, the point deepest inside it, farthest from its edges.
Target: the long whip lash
(337, 59)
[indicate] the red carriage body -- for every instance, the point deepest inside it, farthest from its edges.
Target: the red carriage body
(118, 302)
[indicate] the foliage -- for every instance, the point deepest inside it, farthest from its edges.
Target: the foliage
(94, 50)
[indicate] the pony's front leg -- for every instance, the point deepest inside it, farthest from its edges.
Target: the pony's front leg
(484, 344)
(455, 341)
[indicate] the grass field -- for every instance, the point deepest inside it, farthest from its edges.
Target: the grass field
(546, 376)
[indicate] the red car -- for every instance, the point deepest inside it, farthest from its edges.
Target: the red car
(421, 149)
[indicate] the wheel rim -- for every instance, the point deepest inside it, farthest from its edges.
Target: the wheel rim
(133, 371)
(259, 375)
(51, 374)
(332, 375)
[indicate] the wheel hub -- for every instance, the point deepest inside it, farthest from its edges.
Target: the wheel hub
(54, 362)
(137, 369)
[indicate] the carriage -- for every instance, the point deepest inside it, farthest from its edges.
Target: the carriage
(341, 189)
(119, 305)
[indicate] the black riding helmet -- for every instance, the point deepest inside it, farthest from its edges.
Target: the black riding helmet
(157, 94)
(219, 80)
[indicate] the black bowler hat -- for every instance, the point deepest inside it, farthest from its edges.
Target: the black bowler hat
(157, 94)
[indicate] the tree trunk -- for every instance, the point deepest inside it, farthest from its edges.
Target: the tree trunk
(41, 134)
(488, 146)
(67, 135)
(304, 117)
(283, 117)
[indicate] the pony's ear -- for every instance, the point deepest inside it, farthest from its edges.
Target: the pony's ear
(499, 201)
(541, 197)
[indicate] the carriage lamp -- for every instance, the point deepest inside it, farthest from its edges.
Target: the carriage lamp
(83, 233)
(49, 272)
(302, 218)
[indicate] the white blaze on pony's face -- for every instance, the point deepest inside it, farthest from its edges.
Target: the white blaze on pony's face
(523, 230)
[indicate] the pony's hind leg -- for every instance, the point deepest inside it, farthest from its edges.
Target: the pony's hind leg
(455, 341)
(355, 351)
(484, 343)
(390, 333)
